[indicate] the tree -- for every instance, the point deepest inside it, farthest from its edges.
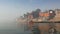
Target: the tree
(51, 14)
(36, 13)
(38, 10)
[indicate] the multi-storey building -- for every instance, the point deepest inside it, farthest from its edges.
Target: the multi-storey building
(50, 15)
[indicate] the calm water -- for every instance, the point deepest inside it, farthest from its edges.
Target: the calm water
(11, 28)
(13, 32)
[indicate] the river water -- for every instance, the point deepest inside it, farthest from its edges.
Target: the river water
(12, 28)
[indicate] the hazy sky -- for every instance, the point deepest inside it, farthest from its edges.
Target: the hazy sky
(11, 9)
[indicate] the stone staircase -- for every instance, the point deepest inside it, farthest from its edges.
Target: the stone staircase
(56, 18)
(35, 29)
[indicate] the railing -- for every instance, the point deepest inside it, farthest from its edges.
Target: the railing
(47, 22)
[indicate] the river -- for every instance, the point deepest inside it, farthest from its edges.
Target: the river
(11, 28)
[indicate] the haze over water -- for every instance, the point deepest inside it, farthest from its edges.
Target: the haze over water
(10, 10)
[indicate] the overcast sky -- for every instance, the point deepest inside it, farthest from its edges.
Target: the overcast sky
(11, 9)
